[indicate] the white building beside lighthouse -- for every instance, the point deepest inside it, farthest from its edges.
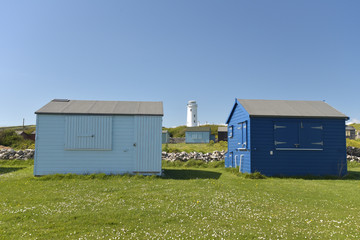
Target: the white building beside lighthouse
(191, 114)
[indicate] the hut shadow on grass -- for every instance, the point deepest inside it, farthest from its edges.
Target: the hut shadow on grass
(351, 175)
(4, 170)
(186, 174)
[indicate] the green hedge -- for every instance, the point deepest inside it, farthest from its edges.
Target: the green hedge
(11, 139)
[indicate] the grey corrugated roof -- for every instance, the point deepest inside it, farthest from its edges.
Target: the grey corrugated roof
(102, 107)
(222, 129)
(198, 129)
(350, 128)
(286, 108)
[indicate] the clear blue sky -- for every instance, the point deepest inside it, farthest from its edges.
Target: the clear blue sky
(175, 51)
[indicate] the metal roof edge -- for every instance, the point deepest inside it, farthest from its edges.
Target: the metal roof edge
(277, 116)
(107, 114)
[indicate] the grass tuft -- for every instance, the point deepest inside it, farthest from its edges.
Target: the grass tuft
(29, 162)
(353, 143)
(255, 175)
(353, 164)
(97, 176)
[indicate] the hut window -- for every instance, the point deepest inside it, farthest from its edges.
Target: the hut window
(196, 135)
(296, 135)
(88, 132)
(311, 135)
(242, 129)
(230, 132)
(244, 134)
(286, 134)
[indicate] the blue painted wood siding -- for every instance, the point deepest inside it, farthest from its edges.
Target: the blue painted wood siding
(197, 137)
(239, 143)
(52, 157)
(321, 151)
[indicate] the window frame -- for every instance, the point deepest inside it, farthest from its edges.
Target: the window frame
(302, 136)
(243, 135)
(231, 131)
(88, 133)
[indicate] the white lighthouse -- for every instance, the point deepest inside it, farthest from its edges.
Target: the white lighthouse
(191, 114)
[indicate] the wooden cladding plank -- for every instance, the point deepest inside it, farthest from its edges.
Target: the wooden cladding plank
(88, 132)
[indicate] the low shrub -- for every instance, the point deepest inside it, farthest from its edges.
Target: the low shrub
(23, 144)
(255, 175)
(177, 131)
(11, 139)
(165, 147)
(194, 163)
(216, 164)
(177, 163)
(180, 130)
(223, 144)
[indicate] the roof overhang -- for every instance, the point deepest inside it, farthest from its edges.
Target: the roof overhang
(287, 109)
(82, 107)
(198, 129)
(232, 111)
(307, 117)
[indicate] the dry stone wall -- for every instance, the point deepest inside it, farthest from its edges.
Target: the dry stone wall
(184, 156)
(9, 154)
(353, 154)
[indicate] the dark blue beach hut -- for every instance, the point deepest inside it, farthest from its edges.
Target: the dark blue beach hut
(278, 137)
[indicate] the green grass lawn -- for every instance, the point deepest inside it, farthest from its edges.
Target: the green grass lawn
(353, 143)
(193, 147)
(200, 203)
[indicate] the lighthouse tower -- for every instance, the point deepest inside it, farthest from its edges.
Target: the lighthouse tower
(191, 114)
